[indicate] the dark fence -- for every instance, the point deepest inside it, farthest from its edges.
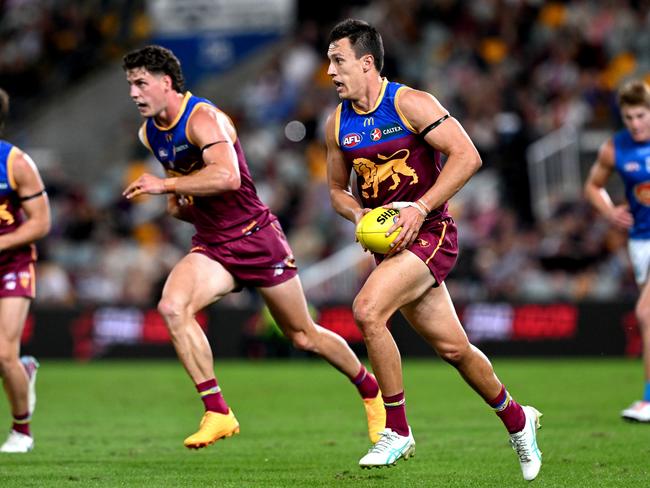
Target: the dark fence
(497, 328)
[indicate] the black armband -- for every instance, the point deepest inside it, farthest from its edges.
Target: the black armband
(212, 144)
(429, 128)
(29, 197)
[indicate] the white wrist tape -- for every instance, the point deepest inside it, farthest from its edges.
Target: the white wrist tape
(399, 205)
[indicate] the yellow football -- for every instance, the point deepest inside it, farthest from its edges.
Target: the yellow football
(372, 228)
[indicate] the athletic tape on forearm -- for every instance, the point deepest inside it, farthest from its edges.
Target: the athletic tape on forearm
(419, 208)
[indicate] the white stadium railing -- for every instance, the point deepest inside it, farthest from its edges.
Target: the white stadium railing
(554, 170)
(338, 277)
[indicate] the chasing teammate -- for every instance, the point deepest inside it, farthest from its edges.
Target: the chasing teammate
(238, 241)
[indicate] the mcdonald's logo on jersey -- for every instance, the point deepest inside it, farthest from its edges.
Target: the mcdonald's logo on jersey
(352, 139)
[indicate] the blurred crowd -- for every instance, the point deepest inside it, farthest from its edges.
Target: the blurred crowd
(509, 70)
(46, 46)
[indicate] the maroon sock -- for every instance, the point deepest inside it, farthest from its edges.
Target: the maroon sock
(366, 383)
(396, 413)
(212, 397)
(21, 424)
(509, 411)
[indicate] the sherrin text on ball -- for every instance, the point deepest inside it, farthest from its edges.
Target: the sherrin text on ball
(372, 228)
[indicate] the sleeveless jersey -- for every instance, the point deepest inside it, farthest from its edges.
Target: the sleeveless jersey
(219, 218)
(391, 161)
(11, 213)
(633, 164)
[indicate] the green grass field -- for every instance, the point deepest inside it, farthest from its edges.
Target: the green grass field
(302, 425)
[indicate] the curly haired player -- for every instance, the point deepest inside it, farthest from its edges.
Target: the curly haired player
(238, 241)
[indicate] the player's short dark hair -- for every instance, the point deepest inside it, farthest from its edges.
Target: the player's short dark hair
(634, 93)
(156, 59)
(363, 37)
(4, 108)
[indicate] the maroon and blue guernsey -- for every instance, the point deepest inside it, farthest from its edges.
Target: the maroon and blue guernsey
(17, 277)
(392, 162)
(220, 218)
(11, 213)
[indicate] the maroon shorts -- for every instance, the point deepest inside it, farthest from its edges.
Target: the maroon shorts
(17, 276)
(437, 246)
(261, 259)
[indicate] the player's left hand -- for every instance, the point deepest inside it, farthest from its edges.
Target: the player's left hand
(410, 219)
(358, 216)
(145, 184)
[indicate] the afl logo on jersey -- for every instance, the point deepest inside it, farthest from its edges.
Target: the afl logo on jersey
(375, 134)
(642, 193)
(351, 140)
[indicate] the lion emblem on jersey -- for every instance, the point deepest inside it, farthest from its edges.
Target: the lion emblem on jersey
(374, 173)
(5, 215)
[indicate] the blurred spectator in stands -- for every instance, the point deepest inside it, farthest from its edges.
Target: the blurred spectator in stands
(45, 46)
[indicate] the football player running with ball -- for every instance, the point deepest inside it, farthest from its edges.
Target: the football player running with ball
(628, 152)
(238, 241)
(392, 136)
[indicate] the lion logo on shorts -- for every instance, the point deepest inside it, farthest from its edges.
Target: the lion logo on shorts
(375, 173)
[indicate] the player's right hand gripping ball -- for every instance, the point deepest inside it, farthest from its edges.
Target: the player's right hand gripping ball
(372, 228)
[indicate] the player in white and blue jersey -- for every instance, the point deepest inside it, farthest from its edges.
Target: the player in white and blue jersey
(628, 152)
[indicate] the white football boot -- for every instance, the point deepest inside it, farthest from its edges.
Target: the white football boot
(389, 449)
(17, 442)
(524, 443)
(31, 367)
(637, 412)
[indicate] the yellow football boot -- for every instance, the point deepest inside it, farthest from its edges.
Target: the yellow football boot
(376, 414)
(213, 426)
